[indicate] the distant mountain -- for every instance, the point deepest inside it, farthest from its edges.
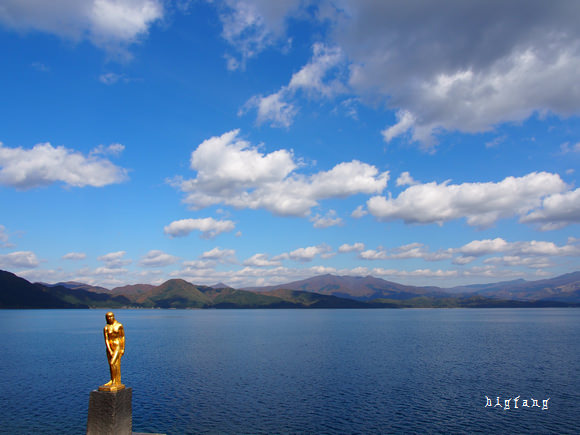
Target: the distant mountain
(474, 288)
(175, 293)
(326, 291)
(564, 288)
(16, 292)
(133, 290)
(220, 285)
(73, 285)
(354, 287)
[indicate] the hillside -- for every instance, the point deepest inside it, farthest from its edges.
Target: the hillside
(326, 291)
(353, 287)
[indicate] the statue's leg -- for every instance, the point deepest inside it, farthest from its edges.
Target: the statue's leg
(110, 371)
(118, 371)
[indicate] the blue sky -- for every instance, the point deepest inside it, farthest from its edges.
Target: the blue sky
(255, 142)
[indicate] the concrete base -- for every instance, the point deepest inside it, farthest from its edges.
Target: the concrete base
(110, 413)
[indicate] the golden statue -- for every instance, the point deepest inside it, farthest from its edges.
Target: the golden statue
(115, 342)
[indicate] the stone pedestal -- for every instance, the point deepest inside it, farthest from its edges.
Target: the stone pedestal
(110, 413)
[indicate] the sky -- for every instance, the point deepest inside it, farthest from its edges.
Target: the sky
(253, 142)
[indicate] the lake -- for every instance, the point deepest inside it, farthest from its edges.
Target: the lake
(299, 371)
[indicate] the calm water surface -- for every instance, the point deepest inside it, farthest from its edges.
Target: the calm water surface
(297, 371)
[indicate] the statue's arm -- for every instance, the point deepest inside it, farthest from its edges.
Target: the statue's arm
(106, 333)
(122, 340)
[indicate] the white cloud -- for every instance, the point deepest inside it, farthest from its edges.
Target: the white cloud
(464, 259)
(373, 254)
(272, 108)
(114, 149)
(109, 24)
(156, 258)
(261, 260)
(114, 260)
(405, 179)
(359, 212)
(355, 247)
(479, 248)
(250, 26)
(326, 221)
(481, 204)
(495, 142)
(43, 165)
(516, 260)
(19, 260)
(311, 76)
(312, 79)
(464, 66)
(557, 211)
(232, 172)
(405, 121)
(74, 256)
(220, 255)
(308, 253)
(209, 227)
(425, 273)
(418, 250)
(461, 66)
(109, 271)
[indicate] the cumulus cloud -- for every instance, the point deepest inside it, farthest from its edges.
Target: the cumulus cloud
(316, 79)
(272, 108)
(482, 204)
(457, 66)
(156, 258)
(359, 212)
(209, 227)
(113, 149)
(419, 250)
(516, 260)
(463, 66)
(220, 255)
(405, 179)
(44, 164)
(261, 260)
(328, 220)
(355, 247)
(409, 251)
(306, 254)
(19, 260)
(424, 273)
(250, 26)
(114, 260)
(557, 211)
(478, 248)
(232, 172)
(74, 256)
(520, 253)
(373, 254)
(109, 24)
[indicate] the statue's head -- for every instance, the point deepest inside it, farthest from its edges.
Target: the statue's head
(110, 318)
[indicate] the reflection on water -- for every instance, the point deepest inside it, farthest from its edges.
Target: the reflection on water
(281, 371)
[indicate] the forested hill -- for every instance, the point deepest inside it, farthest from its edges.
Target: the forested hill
(16, 292)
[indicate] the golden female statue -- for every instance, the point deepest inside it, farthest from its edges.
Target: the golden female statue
(115, 342)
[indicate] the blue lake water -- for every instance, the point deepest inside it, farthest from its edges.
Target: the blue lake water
(298, 371)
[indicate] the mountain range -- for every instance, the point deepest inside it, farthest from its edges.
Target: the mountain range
(324, 291)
